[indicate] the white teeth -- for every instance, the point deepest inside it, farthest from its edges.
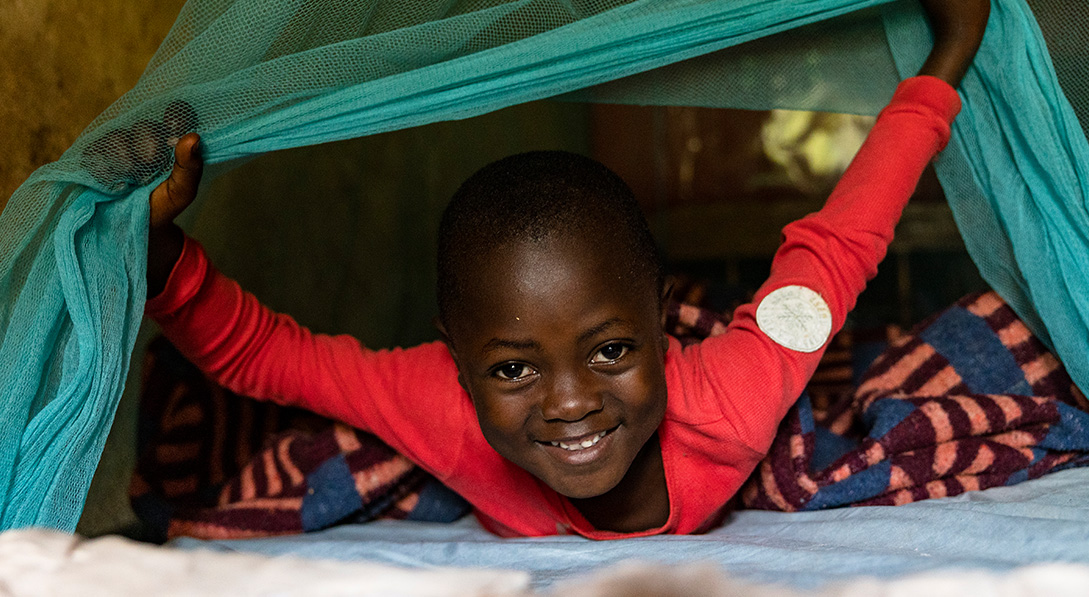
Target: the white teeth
(582, 445)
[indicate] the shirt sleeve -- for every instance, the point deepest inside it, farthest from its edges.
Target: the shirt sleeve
(255, 352)
(833, 252)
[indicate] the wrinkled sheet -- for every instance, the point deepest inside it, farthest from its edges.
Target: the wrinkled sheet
(41, 563)
(1041, 521)
(35, 563)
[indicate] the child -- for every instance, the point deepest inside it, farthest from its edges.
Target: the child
(555, 403)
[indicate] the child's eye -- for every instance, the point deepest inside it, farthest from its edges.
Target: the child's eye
(512, 371)
(610, 352)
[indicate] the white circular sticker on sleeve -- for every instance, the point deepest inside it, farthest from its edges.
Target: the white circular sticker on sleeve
(795, 317)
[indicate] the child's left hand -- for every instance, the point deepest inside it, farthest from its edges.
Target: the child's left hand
(168, 200)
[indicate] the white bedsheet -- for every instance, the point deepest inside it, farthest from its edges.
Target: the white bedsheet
(36, 563)
(1023, 541)
(998, 530)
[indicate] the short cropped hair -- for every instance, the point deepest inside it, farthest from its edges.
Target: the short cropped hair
(535, 196)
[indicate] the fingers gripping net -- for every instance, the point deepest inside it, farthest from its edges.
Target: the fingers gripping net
(254, 76)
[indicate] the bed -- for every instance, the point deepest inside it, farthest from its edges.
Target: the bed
(999, 529)
(1026, 539)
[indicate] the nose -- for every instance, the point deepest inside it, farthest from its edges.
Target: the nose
(571, 397)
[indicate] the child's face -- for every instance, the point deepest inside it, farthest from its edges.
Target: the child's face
(563, 354)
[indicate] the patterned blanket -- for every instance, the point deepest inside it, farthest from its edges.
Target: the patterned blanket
(967, 401)
(215, 465)
(970, 400)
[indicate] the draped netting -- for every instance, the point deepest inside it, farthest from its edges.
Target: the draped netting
(254, 76)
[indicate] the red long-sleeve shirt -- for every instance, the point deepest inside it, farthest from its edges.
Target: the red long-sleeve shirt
(726, 395)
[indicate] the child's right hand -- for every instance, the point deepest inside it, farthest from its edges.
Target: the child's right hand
(168, 200)
(958, 30)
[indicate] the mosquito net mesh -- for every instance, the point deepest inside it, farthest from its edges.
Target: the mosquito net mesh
(254, 76)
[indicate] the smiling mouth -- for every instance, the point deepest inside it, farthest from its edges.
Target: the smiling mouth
(584, 444)
(581, 450)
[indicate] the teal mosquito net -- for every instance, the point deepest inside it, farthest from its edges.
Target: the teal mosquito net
(254, 76)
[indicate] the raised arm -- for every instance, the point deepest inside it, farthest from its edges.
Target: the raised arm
(226, 332)
(253, 351)
(761, 365)
(958, 30)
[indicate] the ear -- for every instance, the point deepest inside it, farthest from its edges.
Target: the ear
(445, 337)
(667, 291)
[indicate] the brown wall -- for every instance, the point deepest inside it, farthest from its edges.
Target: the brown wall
(61, 63)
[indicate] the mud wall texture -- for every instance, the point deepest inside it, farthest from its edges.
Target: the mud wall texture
(61, 63)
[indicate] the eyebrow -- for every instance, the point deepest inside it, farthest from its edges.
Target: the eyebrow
(597, 329)
(496, 343)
